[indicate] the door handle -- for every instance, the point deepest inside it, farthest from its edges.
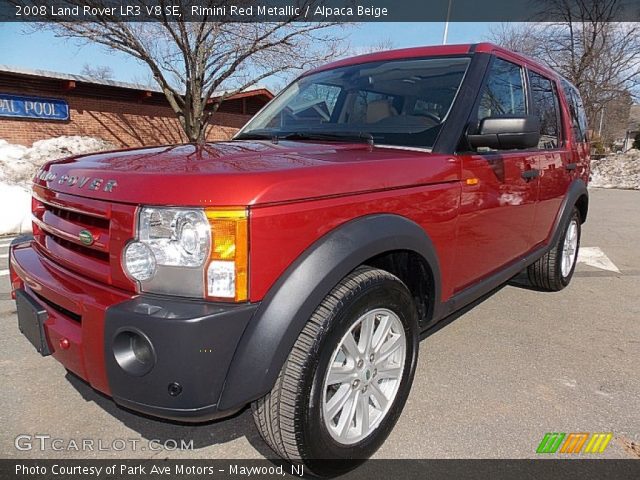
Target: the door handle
(571, 166)
(530, 174)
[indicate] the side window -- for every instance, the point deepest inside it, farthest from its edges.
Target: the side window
(504, 92)
(573, 111)
(580, 122)
(546, 106)
(576, 110)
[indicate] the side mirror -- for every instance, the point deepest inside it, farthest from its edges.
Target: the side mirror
(506, 133)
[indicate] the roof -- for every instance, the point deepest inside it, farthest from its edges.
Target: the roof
(461, 49)
(47, 74)
(434, 50)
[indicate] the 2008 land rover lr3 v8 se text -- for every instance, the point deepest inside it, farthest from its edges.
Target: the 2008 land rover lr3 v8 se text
(296, 266)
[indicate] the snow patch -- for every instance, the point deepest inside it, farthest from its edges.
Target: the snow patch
(18, 165)
(620, 170)
(16, 218)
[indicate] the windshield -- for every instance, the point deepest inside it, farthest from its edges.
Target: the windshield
(395, 102)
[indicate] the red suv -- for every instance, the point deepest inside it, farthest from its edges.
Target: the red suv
(296, 266)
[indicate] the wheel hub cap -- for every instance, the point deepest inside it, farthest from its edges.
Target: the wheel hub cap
(364, 376)
(569, 248)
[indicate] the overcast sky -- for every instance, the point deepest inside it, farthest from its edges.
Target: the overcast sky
(43, 51)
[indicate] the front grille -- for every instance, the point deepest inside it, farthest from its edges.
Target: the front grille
(79, 218)
(61, 223)
(102, 256)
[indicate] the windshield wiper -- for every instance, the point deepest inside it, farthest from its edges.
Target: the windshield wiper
(254, 136)
(346, 136)
(276, 136)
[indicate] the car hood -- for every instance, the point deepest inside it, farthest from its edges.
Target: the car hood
(238, 173)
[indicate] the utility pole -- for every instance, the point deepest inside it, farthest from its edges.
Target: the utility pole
(601, 119)
(446, 24)
(627, 137)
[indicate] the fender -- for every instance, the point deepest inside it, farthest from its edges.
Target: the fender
(577, 188)
(291, 301)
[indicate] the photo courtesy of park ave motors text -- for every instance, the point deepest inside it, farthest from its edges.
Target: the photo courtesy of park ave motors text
(319, 238)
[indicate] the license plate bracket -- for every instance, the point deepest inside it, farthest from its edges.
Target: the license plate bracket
(31, 318)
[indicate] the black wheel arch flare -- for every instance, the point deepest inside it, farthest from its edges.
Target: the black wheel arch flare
(283, 312)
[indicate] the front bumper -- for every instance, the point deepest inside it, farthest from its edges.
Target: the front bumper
(193, 341)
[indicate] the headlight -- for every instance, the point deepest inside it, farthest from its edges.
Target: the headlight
(190, 252)
(179, 238)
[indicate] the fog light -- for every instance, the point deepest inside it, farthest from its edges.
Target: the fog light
(134, 352)
(221, 279)
(139, 261)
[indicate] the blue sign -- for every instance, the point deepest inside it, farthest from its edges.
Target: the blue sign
(33, 107)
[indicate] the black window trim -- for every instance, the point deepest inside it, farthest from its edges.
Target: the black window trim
(562, 141)
(452, 133)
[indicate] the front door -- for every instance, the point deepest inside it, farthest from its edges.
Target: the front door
(499, 188)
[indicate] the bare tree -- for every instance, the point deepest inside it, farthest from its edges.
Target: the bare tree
(599, 56)
(519, 37)
(200, 64)
(100, 72)
(379, 45)
(615, 119)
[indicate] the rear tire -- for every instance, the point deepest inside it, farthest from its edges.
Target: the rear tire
(553, 271)
(359, 346)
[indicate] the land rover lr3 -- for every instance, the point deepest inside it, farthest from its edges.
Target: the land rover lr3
(296, 266)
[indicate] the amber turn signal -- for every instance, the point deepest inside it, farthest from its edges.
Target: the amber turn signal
(227, 272)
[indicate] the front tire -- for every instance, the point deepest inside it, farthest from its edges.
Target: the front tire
(553, 271)
(347, 378)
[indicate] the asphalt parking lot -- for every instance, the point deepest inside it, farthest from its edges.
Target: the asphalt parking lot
(488, 385)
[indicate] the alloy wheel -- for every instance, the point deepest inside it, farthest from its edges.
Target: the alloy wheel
(364, 376)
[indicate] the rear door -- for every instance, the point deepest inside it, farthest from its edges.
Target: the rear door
(554, 154)
(499, 188)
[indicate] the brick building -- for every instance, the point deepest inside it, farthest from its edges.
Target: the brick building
(37, 104)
